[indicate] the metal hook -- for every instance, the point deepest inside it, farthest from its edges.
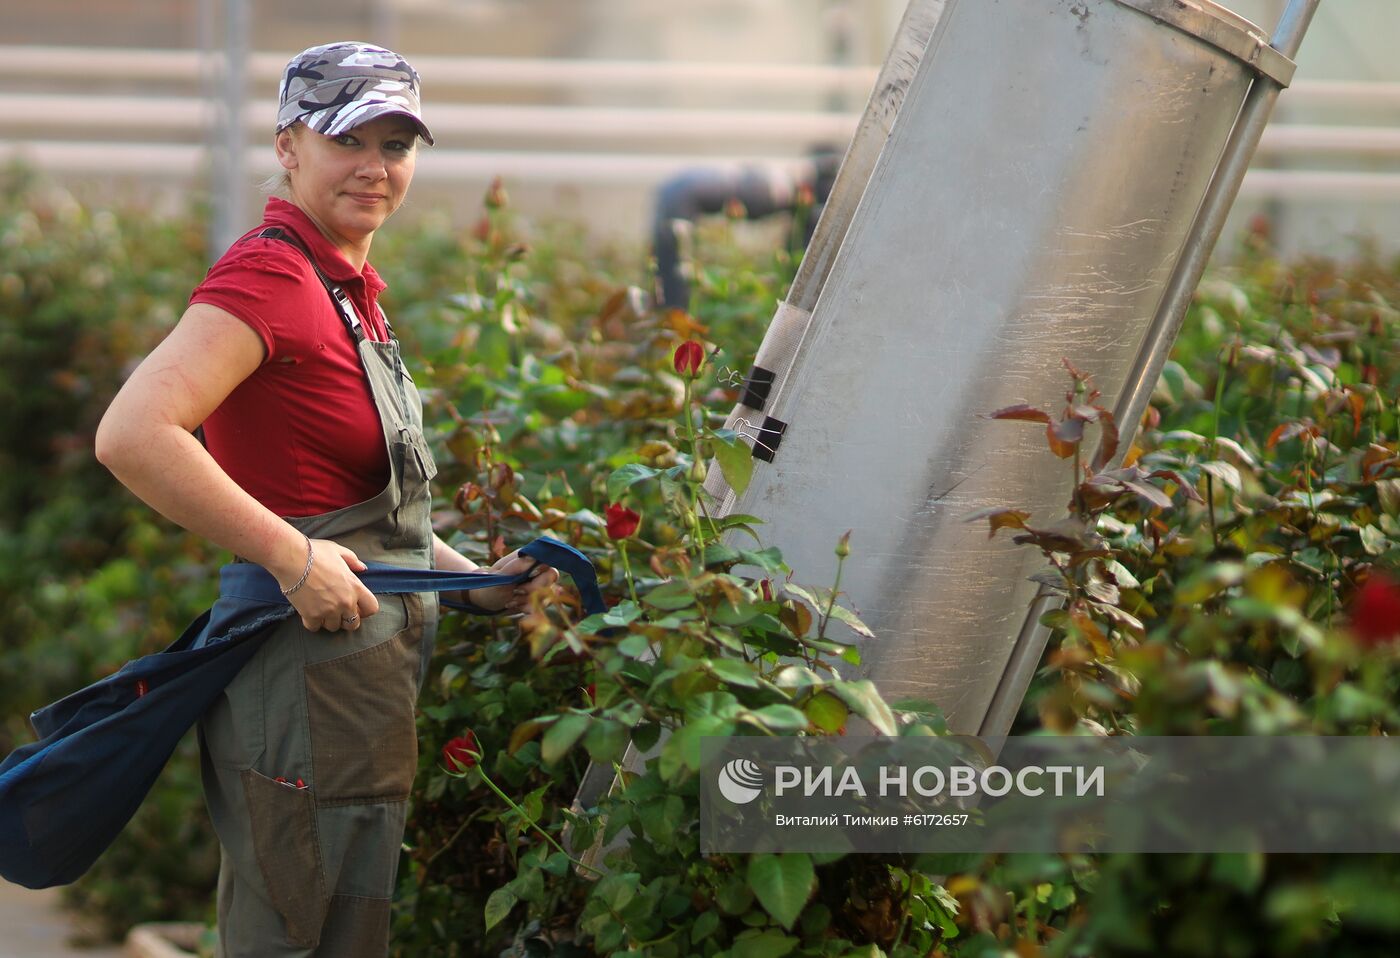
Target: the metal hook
(741, 424)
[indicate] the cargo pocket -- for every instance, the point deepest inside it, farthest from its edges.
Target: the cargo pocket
(364, 747)
(416, 468)
(283, 820)
(423, 454)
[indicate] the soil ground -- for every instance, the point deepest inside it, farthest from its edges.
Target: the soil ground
(33, 926)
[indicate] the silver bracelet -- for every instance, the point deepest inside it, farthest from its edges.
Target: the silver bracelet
(310, 558)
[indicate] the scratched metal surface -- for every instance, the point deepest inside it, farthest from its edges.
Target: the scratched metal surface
(897, 73)
(789, 326)
(1029, 205)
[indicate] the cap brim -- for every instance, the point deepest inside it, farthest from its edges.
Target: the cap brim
(373, 111)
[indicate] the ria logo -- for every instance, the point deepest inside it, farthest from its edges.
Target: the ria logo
(740, 781)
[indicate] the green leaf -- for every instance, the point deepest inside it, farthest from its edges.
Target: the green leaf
(645, 736)
(533, 804)
(810, 598)
(625, 477)
(717, 553)
(847, 616)
(1374, 541)
(1209, 581)
(783, 883)
(769, 560)
(606, 741)
(779, 718)
(734, 897)
(670, 595)
(529, 885)
(733, 672)
(826, 711)
(623, 613)
(765, 944)
(735, 461)
(797, 678)
(661, 818)
(617, 889)
(498, 905)
(736, 519)
(1243, 871)
(1225, 473)
(705, 925)
(682, 749)
(864, 699)
(633, 646)
(562, 735)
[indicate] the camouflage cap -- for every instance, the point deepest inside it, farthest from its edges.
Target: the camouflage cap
(335, 87)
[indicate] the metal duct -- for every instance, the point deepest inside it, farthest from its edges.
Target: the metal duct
(1032, 203)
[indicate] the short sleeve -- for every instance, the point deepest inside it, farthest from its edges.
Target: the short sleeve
(268, 285)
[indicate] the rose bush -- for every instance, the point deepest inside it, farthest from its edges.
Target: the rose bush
(554, 392)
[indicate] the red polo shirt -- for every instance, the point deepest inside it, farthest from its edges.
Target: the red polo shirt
(300, 434)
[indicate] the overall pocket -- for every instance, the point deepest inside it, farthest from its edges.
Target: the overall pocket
(364, 746)
(283, 820)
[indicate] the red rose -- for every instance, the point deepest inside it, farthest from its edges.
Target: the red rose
(1375, 611)
(622, 522)
(591, 693)
(461, 752)
(690, 356)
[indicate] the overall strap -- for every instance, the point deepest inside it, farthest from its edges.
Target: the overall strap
(244, 580)
(339, 297)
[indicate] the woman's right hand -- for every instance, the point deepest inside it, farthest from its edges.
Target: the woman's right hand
(332, 597)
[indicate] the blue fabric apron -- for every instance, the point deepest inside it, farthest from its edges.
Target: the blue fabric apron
(65, 798)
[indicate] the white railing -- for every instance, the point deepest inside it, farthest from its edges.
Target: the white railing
(485, 72)
(81, 133)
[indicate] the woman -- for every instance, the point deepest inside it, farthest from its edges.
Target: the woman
(315, 463)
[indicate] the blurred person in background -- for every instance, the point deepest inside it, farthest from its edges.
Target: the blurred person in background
(751, 192)
(313, 462)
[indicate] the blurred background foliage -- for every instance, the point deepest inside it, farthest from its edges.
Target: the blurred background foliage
(544, 370)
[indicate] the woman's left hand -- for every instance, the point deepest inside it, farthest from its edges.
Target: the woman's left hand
(510, 599)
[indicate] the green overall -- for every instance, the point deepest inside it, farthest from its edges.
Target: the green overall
(308, 864)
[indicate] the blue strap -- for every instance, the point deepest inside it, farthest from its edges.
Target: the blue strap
(247, 581)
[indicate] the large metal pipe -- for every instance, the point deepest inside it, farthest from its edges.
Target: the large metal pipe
(1132, 403)
(1036, 200)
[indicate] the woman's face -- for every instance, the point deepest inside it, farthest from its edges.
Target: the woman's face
(350, 183)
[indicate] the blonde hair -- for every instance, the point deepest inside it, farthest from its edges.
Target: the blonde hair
(279, 184)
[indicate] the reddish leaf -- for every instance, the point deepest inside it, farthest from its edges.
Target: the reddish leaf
(1048, 541)
(1358, 405)
(1375, 460)
(1150, 494)
(1284, 432)
(1090, 631)
(1108, 445)
(684, 324)
(1096, 494)
(1176, 477)
(1022, 412)
(1001, 519)
(1064, 436)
